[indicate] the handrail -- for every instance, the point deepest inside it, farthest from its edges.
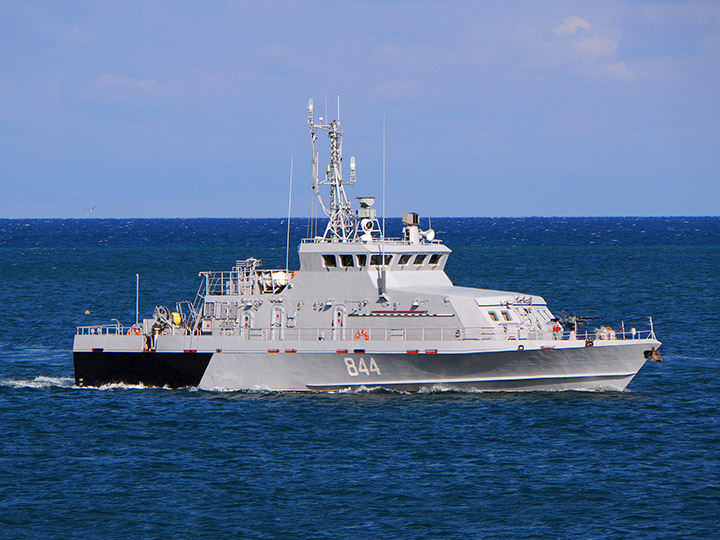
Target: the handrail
(374, 241)
(231, 283)
(232, 327)
(102, 329)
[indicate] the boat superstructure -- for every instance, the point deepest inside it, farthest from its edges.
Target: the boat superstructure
(362, 310)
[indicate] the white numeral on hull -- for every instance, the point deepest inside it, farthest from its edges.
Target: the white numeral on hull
(354, 369)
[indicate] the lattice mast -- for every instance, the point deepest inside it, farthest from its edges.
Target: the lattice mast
(342, 224)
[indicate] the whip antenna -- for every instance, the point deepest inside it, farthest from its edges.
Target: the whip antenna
(137, 299)
(383, 174)
(287, 243)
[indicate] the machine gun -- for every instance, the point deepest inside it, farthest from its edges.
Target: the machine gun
(575, 321)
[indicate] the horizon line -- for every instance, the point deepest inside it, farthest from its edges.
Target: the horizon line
(389, 217)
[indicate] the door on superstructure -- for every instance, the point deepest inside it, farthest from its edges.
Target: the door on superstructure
(277, 323)
(338, 322)
(246, 323)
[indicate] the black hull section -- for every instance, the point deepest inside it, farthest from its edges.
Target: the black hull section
(174, 370)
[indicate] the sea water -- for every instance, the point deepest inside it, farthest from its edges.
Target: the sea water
(127, 462)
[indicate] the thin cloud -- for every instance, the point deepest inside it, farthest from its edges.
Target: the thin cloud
(575, 45)
(112, 87)
(618, 70)
(571, 26)
(593, 48)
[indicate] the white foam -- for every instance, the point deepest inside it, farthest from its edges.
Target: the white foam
(257, 389)
(443, 388)
(124, 386)
(609, 388)
(362, 389)
(39, 382)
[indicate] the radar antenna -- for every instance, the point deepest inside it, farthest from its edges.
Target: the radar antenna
(342, 224)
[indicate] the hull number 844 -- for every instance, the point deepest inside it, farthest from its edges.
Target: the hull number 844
(361, 366)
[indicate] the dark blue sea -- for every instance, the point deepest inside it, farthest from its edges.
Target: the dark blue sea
(135, 463)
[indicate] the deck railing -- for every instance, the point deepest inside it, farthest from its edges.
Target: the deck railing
(233, 283)
(102, 329)
(375, 241)
(429, 334)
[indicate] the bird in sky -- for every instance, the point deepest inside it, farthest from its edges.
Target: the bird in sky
(91, 210)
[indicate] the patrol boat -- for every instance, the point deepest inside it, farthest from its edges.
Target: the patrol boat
(362, 311)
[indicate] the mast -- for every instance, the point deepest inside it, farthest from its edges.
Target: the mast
(342, 224)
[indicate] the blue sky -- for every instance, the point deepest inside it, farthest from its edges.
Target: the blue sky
(193, 109)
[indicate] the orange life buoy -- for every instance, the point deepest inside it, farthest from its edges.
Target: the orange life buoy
(132, 331)
(362, 335)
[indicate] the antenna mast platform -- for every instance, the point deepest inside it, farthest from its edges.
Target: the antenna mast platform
(342, 225)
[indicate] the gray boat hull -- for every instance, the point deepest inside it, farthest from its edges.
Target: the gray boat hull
(609, 367)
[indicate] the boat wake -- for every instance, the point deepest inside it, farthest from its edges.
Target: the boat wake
(371, 390)
(42, 382)
(39, 382)
(124, 386)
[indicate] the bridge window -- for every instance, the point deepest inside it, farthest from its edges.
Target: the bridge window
(434, 258)
(376, 260)
(404, 259)
(347, 261)
(329, 261)
(362, 260)
(419, 259)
